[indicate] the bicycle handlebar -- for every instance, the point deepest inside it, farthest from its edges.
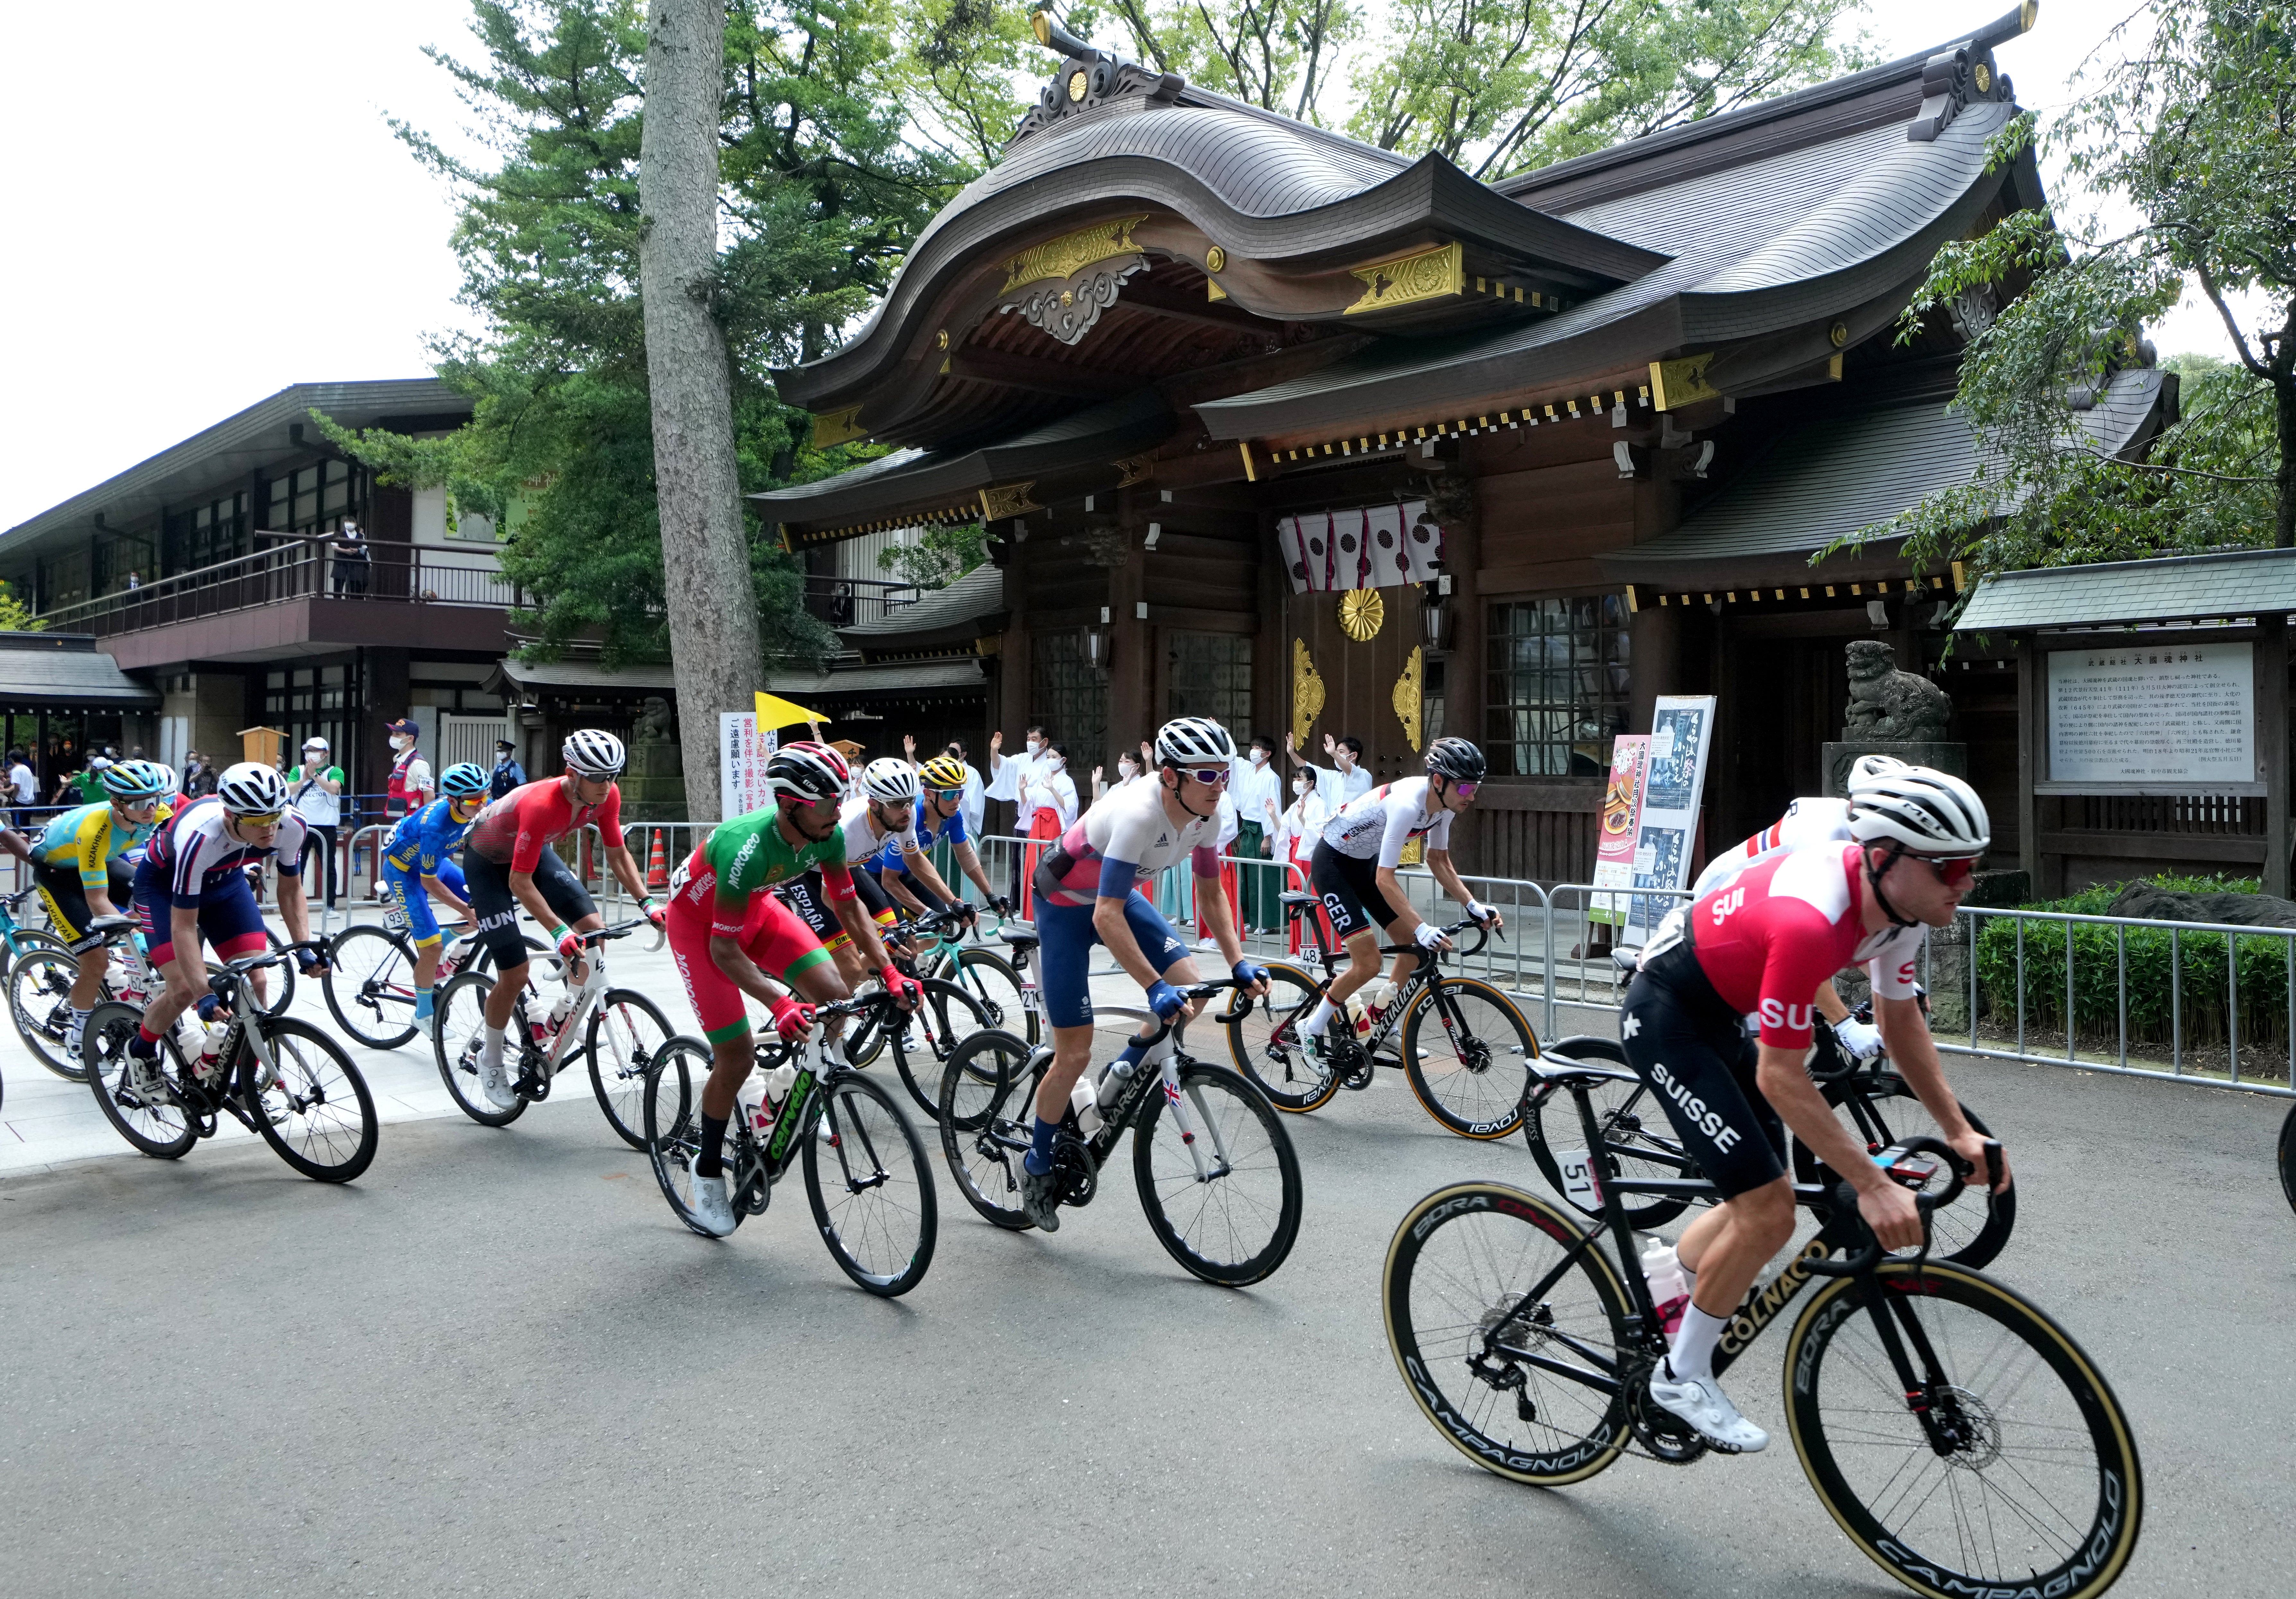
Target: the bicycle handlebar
(1205, 991)
(1483, 928)
(1845, 1201)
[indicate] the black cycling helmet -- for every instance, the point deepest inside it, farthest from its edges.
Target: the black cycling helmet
(1457, 759)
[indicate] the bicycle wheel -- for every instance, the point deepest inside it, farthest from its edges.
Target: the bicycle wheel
(280, 980)
(1232, 1221)
(460, 1032)
(995, 983)
(157, 1127)
(872, 1192)
(1882, 1110)
(625, 1031)
(1266, 1044)
(40, 1003)
(2000, 1462)
(2288, 1159)
(314, 1109)
(1543, 1405)
(987, 1114)
(947, 1016)
(1629, 1119)
(370, 986)
(671, 1114)
(1473, 1080)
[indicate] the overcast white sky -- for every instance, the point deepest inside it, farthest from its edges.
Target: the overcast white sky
(213, 208)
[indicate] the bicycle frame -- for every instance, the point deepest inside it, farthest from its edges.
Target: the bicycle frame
(1165, 1056)
(801, 1113)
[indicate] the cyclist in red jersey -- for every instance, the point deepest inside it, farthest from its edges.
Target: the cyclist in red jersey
(508, 864)
(1754, 949)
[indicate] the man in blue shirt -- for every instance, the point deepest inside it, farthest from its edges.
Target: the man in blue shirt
(418, 864)
(508, 774)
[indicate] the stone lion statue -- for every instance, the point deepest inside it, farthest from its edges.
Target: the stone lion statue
(655, 725)
(1890, 706)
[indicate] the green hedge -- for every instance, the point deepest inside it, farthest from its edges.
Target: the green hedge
(2262, 970)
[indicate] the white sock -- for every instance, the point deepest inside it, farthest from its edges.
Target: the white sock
(1689, 1277)
(491, 1051)
(1318, 1019)
(1693, 1354)
(79, 1020)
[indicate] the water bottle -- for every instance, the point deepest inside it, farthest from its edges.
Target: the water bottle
(757, 1108)
(1670, 1287)
(1086, 1104)
(1377, 996)
(211, 1056)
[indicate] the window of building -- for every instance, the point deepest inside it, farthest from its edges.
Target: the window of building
(1071, 698)
(316, 498)
(206, 534)
(1210, 677)
(1558, 686)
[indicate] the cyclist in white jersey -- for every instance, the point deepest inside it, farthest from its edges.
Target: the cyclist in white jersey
(882, 817)
(1353, 865)
(1087, 892)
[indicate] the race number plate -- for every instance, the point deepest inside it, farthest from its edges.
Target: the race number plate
(1579, 1184)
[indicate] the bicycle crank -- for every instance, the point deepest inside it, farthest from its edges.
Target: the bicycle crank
(1078, 1172)
(1664, 1436)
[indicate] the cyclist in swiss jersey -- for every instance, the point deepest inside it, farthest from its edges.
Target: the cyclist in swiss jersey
(732, 936)
(1756, 949)
(1086, 889)
(508, 864)
(1353, 865)
(193, 886)
(418, 866)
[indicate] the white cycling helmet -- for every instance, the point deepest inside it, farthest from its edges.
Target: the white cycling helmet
(1193, 742)
(1926, 811)
(807, 772)
(252, 789)
(889, 780)
(590, 753)
(1866, 768)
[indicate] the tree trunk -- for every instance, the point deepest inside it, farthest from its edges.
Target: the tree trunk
(705, 555)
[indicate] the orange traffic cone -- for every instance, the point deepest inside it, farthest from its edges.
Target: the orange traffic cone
(658, 868)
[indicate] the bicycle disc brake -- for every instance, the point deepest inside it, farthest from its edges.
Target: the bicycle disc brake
(1664, 1436)
(1078, 1172)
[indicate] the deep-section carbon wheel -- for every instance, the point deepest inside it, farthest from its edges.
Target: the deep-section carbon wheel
(1266, 1044)
(1629, 1117)
(671, 1113)
(1470, 1078)
(40, 1003)
(923, 1042)
(992, 979)
(871, 1190)
(145, 1113)
(1217, 1177)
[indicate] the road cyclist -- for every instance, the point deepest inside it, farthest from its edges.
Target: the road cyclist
(1087, 890)
(418, 866)
(84, 866)
(509, 865)
(732, 936)
(939, 820)
(1757, 948)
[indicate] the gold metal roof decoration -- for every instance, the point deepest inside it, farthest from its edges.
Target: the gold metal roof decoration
(837, 427)
(1307, 691)
(1136, 469)
(1407, 698)
(1678, 383)
(1071, 253)
(1361, 612)
(1433, 273)
(1007, 499)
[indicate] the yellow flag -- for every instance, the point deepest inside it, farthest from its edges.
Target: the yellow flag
(774, 711)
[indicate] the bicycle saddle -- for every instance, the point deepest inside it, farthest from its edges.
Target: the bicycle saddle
(1019, 935)
(1571, 1073)
(1627, 960)
(1296, 899)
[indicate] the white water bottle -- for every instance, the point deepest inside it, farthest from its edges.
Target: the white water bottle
(1670, 1287)
(756, 1107)
(210, 1050)
(1086, 1104)
(778, 1083)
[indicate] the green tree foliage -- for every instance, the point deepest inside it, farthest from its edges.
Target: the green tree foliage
(939, 557)
(15, 616)
(2187, 135)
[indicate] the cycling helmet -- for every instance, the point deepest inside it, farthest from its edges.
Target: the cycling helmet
(943, 772)
(1922, 810)
(166, 777)
(1457, 759)
(889, 780)
(807, 772)
(590, 753)
(1866, 768)
(250, 789)
(463, 779)
(1193, 742)
(134, 780)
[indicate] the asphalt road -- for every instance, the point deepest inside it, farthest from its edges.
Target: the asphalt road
(496, 1365)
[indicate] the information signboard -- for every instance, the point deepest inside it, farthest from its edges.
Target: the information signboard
(1682, 730)
(2160, 716)
(1622, 813)
(742, 752)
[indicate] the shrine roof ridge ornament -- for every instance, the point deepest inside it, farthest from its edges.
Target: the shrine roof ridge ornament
(1089, 78)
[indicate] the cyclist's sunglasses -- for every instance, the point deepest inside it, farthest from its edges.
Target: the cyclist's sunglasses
(1951, 870)
(1207, 776)
(1465, 791)
(947, 793)
(269, 818)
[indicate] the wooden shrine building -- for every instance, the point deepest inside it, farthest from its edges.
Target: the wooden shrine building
(1270, 425)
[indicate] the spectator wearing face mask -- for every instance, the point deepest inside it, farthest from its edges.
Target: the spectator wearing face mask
(1052, 794)
(1257, 790)
(1008, 781)
(1296, 832)
(411, 786)
(1345, 777)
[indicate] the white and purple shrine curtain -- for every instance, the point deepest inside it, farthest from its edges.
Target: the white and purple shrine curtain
(1368, 546)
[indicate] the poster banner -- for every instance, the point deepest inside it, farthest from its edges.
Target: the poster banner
(1674, 780)
(742, 752)
(1369, 546)
(1622, 812)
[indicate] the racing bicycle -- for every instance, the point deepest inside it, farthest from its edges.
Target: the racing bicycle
(1002, 987)
(1215, 1169)
(1471, 1080)
(279, 1077)
(1956, 1434)
(370, 980)
(620, 1031)
(865, 1173)
(947, 1011)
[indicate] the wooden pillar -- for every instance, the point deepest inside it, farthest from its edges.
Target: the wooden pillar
(1010, 715)
(1464, 671)
(2271, 747)
(2032, 760)
(1656, 667)
(1133, 713)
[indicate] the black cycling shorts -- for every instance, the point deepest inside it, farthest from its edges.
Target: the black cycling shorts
(1693, 1051)
(488, 883)
(804, 896)
(1349, 886)
(66, 900)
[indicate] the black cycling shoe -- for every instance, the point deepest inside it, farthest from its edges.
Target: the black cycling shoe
(1040, 1197)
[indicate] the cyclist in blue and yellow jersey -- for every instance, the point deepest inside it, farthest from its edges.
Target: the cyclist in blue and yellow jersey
(418, 866)
(82, 867)
(940, 820)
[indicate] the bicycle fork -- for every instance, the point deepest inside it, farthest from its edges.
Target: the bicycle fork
(1212, 1164)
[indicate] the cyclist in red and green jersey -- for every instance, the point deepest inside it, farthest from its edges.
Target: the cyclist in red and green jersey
(728, 931)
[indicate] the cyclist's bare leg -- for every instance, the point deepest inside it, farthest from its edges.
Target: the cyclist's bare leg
(1728, 1246)
(731, 1060)
(88, 982)
(1072, 1047)
(1363, 965)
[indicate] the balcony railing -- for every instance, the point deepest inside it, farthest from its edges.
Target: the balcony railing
(845, 601)
(394, 574)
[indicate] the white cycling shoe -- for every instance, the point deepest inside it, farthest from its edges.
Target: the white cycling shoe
(494, 1081)
(712, 1208)
(1701, 1402)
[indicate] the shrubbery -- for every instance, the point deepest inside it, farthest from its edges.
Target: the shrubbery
(2262, 965)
